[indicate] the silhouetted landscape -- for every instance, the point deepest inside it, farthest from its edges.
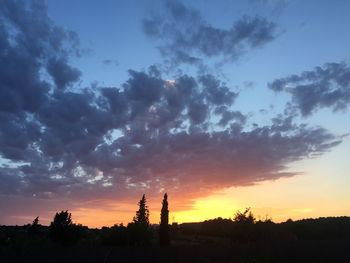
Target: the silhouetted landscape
(240, 239)
(209, 131)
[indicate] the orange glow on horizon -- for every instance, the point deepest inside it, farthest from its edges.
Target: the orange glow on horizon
(273, 199)
(309, 195)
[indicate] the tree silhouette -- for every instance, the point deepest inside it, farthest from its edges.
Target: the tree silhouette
(164, 235)
(34, 227)
(35, 221)
(245, 217)
(60, 226)
(139, 232)
(142, 215)
(61, 221)
(62, 229)
(244, 226)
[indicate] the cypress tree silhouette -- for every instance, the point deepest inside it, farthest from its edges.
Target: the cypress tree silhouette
(164, 235)
(142, 215)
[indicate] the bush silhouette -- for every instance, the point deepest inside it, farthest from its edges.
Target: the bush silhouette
(114, 236)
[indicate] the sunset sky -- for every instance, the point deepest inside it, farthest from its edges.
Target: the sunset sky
(222, 104)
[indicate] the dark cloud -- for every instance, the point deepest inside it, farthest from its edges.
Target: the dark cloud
(162, 140)
(216, 93)
(227, 116)
(185, 36)
(150, 134)
(62, 74)
(324, 87)
(31, 45)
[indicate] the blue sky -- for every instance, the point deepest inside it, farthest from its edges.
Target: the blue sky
(309, 34)
(203, 99)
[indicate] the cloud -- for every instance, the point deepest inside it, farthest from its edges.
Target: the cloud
(62, 74)
(32, 46)
(150, 134)
(110, 62)
(327, 86)
(159, 138)
(228, 115)
(185, 37)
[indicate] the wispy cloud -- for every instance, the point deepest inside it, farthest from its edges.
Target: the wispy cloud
(184, 36)
(326, 86)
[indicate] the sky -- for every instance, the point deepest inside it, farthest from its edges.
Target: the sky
(222, 104)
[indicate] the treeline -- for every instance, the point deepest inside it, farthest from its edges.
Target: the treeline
(64, 232)
(245, 228)
(242, 228)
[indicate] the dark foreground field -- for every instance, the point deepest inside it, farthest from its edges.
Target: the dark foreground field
(291, 251)
(217, 240)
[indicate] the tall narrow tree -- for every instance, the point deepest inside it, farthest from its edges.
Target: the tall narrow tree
(164, 235)
(142, 215)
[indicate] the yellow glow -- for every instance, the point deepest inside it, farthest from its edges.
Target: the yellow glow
(282, 199)
(322, 190)
(207, 208)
